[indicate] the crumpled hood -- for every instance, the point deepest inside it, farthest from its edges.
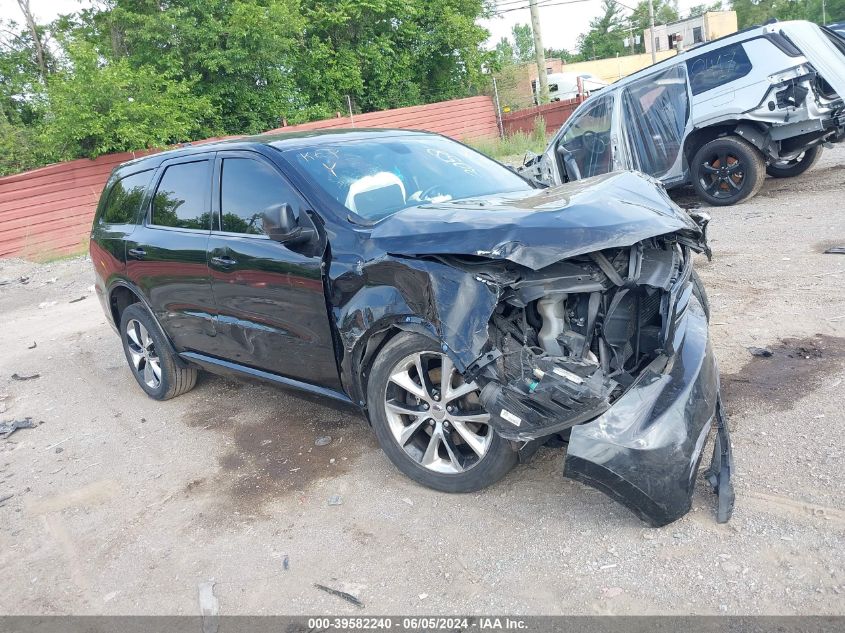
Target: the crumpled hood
(538, 228)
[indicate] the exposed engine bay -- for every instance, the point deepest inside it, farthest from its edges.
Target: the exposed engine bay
(566, 341)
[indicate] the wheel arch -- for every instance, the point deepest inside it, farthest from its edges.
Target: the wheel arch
(121, 295)
(702, 135)
(371, 342)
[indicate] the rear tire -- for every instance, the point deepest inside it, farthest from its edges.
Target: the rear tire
(443, 441)
(796, 167)
(727, 171)
(156, 368)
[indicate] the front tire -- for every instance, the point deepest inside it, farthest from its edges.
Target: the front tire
(429, 422)
(727, 171)
(796, 166)
(158, 371)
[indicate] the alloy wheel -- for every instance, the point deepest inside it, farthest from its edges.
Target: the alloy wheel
(435, 416)
(143, 354)
(722, 175)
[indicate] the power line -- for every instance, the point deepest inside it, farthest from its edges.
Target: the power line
(548, 3)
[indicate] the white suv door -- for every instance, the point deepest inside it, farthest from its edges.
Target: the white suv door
(655, 116)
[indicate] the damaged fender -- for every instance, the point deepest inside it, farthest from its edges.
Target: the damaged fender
(425, 296)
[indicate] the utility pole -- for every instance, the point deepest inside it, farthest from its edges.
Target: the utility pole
(824, 14)
(540, 53)
(651, 31)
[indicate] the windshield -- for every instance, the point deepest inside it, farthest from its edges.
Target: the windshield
(376, 178)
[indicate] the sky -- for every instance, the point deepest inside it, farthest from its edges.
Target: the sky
(560, 24)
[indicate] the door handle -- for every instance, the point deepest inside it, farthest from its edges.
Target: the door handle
(224, 261)
(137, 253)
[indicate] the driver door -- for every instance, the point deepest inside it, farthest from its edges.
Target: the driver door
(584, 146)
(271, 307)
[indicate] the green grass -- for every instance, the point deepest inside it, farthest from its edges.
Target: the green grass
(515, 145)
(50, 256)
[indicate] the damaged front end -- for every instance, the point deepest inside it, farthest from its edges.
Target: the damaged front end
(611, 346)
(601, 340)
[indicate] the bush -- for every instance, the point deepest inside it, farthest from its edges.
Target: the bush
(21, 148)
(512, 148)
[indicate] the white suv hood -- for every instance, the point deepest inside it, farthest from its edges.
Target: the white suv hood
(819, 50)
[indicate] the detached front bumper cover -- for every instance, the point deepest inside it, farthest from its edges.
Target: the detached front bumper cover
(645, 450)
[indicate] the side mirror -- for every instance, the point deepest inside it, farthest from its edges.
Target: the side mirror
(281, 223)
(529, 159)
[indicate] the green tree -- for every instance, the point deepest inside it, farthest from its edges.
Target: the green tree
(750, 12)
(21, 82)
(391, 53)
(523, 39)
(504, 53)
(565, 55)
(97, 107)
(238, 54)
(127, 74)
(701, 9)
(606, 35)
(21, 148)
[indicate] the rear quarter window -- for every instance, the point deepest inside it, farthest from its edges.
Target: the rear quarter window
(717, 68)
(124, 199)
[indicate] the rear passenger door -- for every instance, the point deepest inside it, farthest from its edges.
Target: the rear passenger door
(272, 312)
(166, 255)
(116, 219)
(655, 119)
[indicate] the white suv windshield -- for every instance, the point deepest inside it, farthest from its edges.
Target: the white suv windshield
(376, 178)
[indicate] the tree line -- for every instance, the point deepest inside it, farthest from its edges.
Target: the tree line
(615, 23)
(130, 74)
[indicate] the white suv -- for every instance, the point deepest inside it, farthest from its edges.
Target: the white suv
(719, 116)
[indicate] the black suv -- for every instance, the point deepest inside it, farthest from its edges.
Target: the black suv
(470, 315)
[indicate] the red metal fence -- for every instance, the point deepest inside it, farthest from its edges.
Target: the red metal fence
(554, 115)
(470, 118)
(48, 211)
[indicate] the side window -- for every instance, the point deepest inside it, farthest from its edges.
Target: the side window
(125, 199)
(588, 137)
(655, 110)
(181, 200)
(717, 68)
(247, 189)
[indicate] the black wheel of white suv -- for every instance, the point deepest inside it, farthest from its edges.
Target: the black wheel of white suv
(727, 170)
(796, 166)
(159, 373)
(429, 421)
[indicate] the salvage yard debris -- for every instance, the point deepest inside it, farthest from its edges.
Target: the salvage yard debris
(209, 607)
(340, 594)
(763, 352)
(7, 428)
(21, 377)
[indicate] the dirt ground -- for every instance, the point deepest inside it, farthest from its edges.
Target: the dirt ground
(125, 505)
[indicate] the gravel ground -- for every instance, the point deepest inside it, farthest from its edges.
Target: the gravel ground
(125, 505)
